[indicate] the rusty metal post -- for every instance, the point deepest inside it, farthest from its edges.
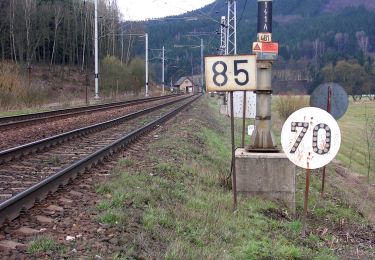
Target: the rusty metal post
(234, 177)
(29, 74)
(244, 120)
(329, 101)
(117, 89)
(86, 89)
(307, 188)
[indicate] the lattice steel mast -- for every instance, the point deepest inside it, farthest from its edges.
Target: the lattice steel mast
(231, 45)
(223, 36)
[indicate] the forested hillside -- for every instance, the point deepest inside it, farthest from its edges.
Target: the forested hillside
(55, 31)
(312, 35)
(35, 34)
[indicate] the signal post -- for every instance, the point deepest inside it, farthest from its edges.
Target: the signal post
(262, 170)
(259, 169)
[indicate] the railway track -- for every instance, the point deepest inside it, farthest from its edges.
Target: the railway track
(28, 119)
(62, 158)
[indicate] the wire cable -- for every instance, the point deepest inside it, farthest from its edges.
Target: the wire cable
(239, 21)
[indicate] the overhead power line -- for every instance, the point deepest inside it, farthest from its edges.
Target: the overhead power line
(243, 10)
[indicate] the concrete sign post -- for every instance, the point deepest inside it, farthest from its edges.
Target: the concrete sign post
(262, 170)
(263, 139)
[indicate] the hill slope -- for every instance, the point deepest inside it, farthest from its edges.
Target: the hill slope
(319, 32)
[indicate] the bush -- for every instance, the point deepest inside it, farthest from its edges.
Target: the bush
(114, 72)
(15, 91)
(287, 105)
(34, 95)
(128, 78)
(10, 85)
(137, 70)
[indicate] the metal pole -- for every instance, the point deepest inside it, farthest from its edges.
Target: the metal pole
(29, 75)
(202, 82)
(263, 139)
(307, 188)
(244, 119)
(329, 100)
(146, 61)
(163, 68)
(122, 47)
(96, 52)
(235, 26)
(223, 36)
(234, 178)
(86, 89)
(116, 89)
(192, 72)
(231, 47)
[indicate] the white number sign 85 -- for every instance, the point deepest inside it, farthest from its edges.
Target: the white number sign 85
(230, 73)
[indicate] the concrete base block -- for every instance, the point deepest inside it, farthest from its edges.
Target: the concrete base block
(267, 175)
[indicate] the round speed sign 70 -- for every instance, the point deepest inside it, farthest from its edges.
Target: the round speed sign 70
(311, 138)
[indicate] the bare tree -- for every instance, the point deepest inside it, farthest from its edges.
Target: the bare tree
(12, 10)
(57, 21)
(369, 133)
(362, 40)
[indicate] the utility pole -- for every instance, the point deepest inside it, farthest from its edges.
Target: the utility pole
(223, 36)
(231, 45)
(202, 75)
(146, 60)
(163, 66)
(163, 57)
(263, 139)
(231, 32)
(96, 52)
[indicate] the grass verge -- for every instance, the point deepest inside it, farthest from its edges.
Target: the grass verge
(182, 208)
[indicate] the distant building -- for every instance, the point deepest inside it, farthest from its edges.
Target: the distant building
(189, 84)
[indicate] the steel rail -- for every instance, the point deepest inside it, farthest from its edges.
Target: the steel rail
(40, 145)
(11, 208)
(14, 121)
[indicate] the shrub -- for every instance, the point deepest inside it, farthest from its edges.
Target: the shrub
(10, 85)
(114, 72)
(287, 105)
(15, 91)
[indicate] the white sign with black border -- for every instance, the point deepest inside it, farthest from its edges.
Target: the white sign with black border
(311, 138)
(230, 73)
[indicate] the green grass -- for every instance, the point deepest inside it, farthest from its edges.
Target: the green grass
(185, 204)
(186, 207)
(42, 244)
(353, 149)
(21, 112)
(112, 217)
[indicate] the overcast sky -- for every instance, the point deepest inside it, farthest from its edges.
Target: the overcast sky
(145, 9)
